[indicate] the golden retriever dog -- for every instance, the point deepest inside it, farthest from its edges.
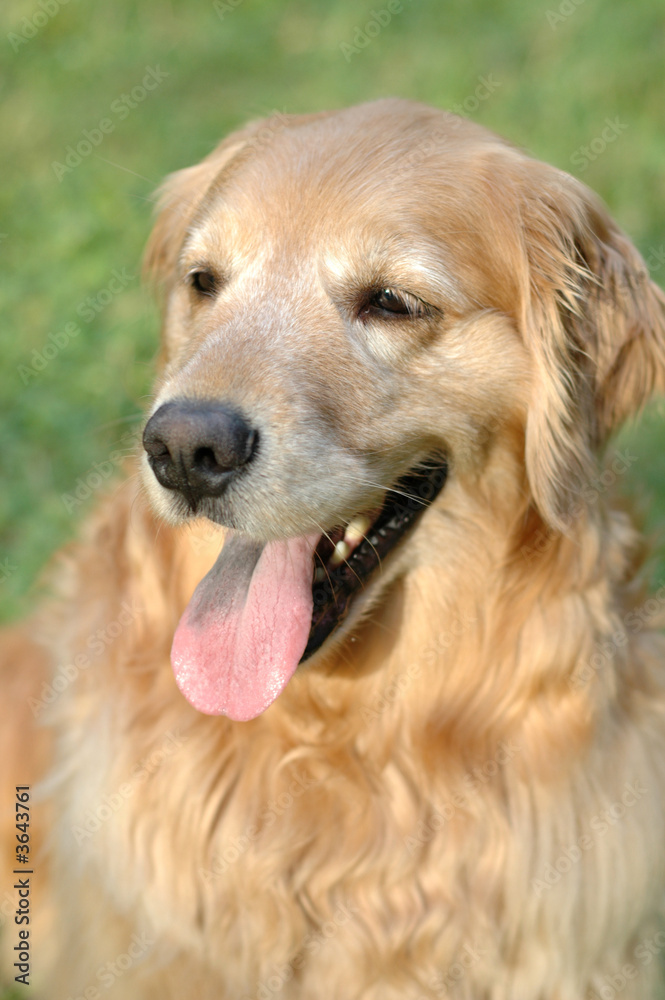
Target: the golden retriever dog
(354, 692)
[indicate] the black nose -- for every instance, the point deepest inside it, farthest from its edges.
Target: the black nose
(195, 447)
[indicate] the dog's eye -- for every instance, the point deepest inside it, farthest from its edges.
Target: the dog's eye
(391, 302)
(204, 282)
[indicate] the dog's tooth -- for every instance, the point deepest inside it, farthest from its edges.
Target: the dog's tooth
(319, 574)
(356, 530)
(342, 552)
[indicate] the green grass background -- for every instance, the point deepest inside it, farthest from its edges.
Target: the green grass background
(61, 240)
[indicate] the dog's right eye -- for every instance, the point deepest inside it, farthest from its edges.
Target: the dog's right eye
(204, 282)
(392, 303)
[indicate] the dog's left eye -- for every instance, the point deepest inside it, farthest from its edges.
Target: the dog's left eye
(391, 302)
(204, 282)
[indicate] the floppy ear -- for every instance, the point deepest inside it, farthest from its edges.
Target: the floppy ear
(183, 193)
(179, 197)
(594, 323)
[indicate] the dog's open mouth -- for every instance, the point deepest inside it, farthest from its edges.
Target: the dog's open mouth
(265, 607)
(347, 558)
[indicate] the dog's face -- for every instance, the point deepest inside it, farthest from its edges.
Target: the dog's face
(362, 307)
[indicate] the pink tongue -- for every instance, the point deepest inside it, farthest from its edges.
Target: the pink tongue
(245, 629)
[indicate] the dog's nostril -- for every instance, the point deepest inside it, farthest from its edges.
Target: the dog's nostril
(204, 459)
(156, 448)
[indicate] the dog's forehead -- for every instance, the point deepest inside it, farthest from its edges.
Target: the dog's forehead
(384, 159)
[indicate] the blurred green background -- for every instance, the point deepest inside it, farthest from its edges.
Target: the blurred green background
(558, 71)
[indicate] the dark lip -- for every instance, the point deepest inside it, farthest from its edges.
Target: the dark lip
(404, 504)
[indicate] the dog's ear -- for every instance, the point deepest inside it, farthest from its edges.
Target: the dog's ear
(183, 192)
(177, 201)
(594, 324)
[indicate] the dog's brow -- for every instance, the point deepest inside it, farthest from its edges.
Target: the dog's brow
(226, 243)
(415, 263)
(438, 278)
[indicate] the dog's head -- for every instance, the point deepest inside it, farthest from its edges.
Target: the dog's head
(362, 307)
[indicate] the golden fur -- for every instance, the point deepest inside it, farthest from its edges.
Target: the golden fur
(463, 793)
